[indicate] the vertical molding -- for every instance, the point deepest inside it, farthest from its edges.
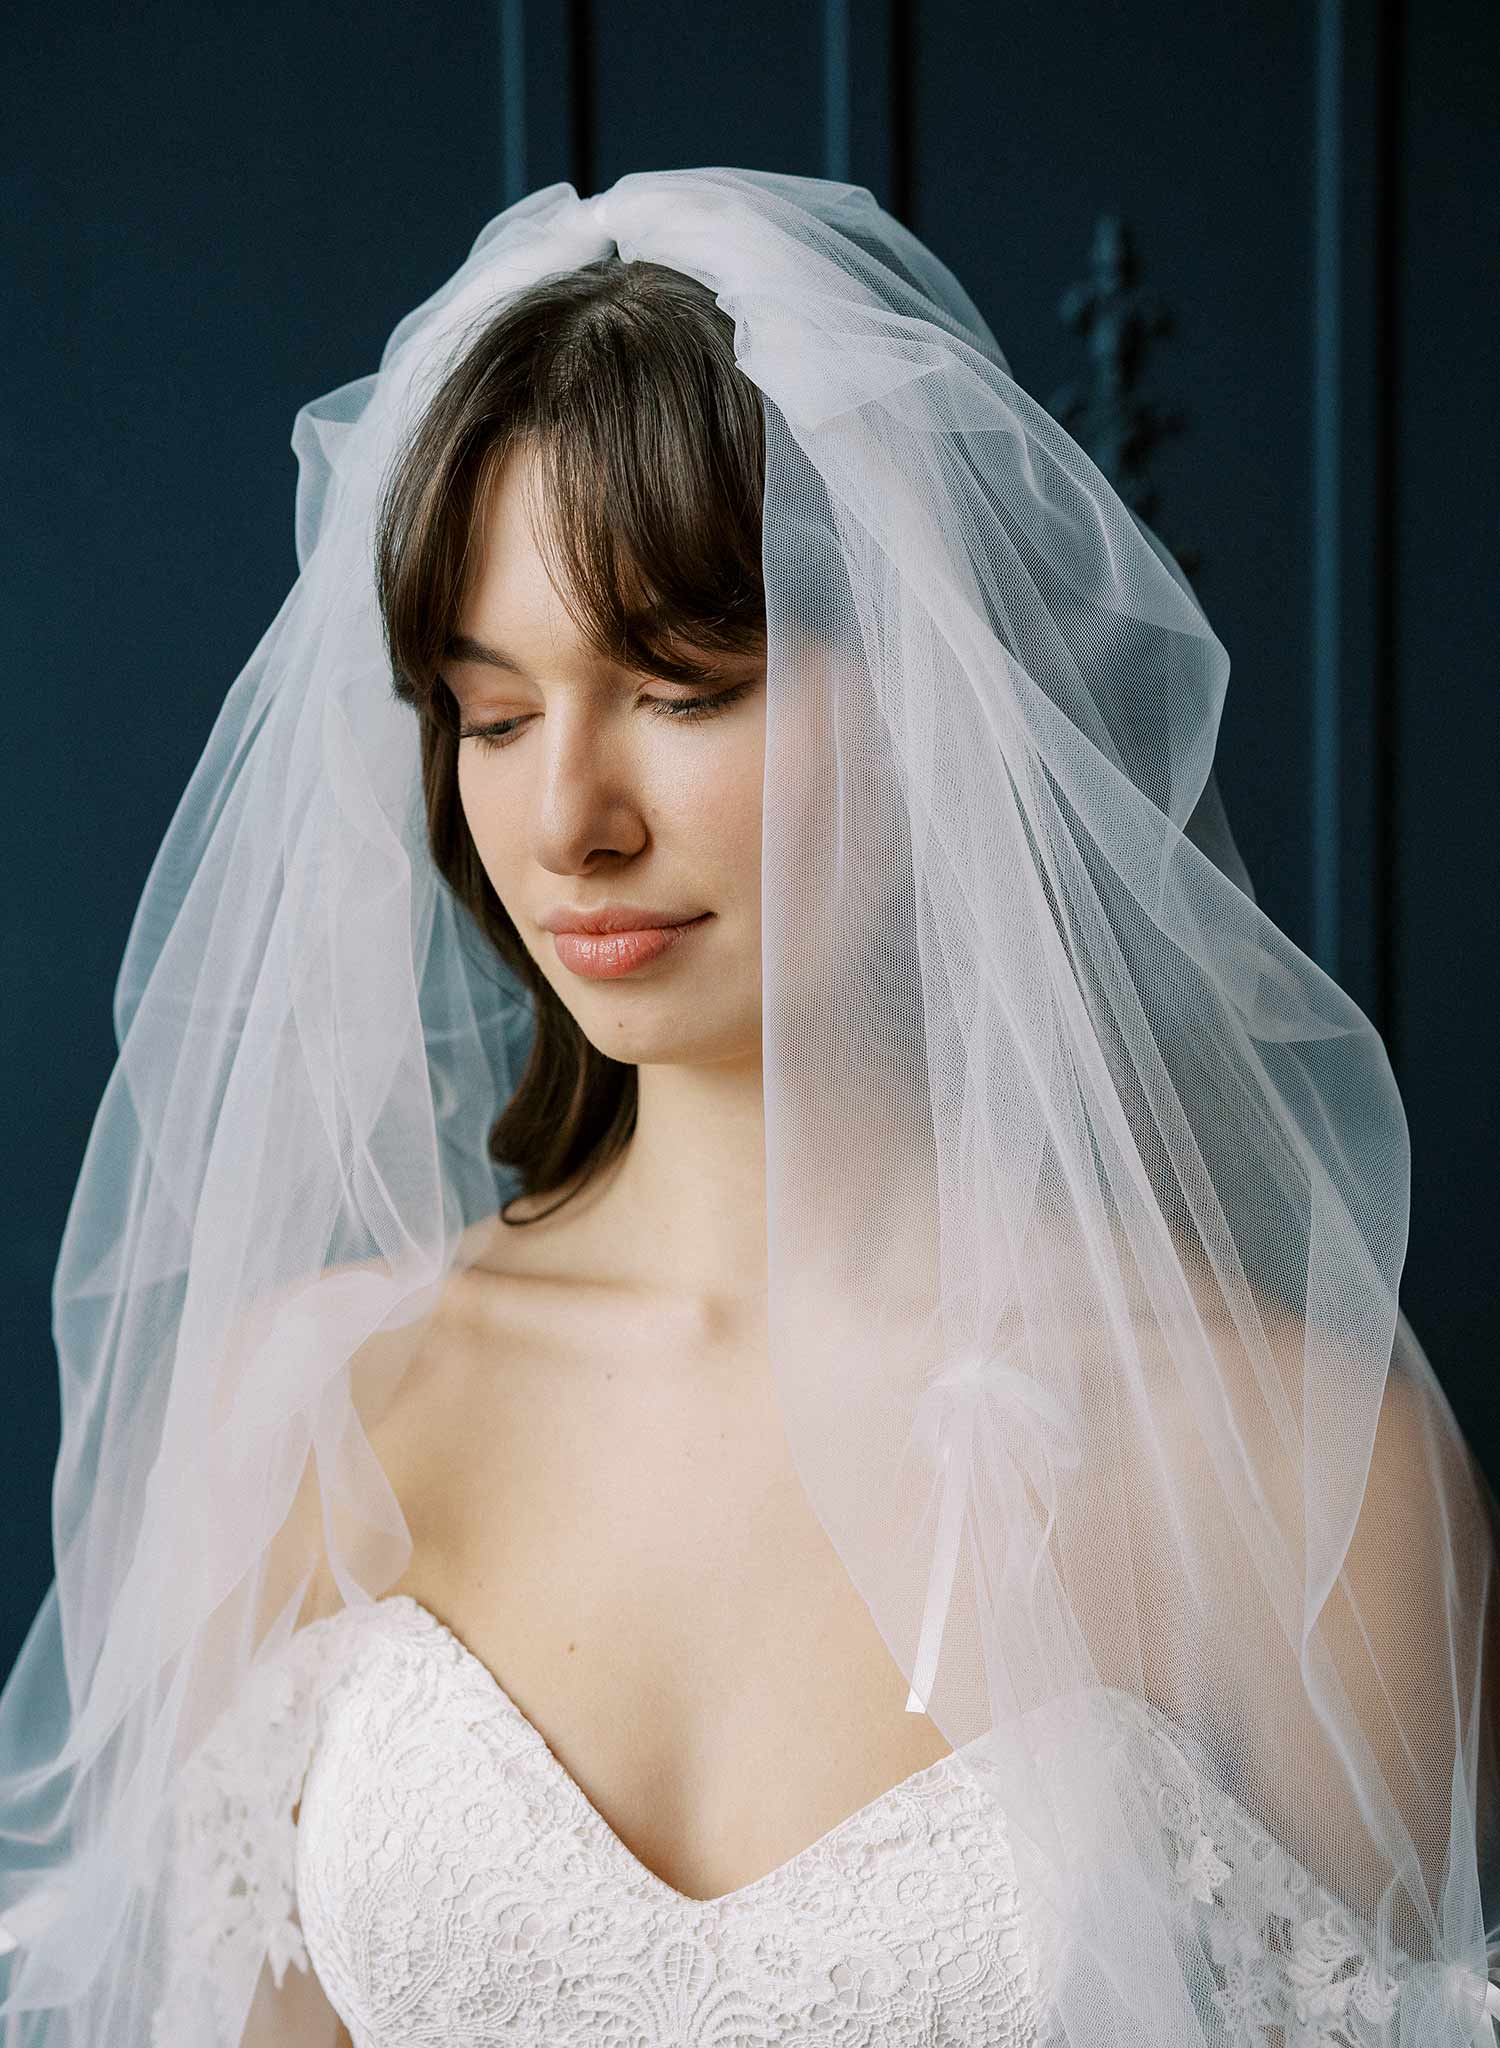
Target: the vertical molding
(546, 96)
(514, 128)
(837, 109)
(1354, 706)
(867, 87)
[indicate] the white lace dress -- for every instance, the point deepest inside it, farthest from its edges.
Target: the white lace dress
(449, 1883)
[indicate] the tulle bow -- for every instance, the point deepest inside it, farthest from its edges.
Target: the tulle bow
(1032, 1434)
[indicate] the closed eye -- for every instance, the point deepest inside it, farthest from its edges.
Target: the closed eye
(501, 732)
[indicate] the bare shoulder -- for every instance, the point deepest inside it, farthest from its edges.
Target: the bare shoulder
(393, 1376)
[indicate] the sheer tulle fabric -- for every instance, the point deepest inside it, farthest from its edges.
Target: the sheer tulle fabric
(1087, 1207)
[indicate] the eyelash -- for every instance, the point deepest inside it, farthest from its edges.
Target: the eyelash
(493, 737)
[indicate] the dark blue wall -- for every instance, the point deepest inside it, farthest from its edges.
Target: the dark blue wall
(211, 215)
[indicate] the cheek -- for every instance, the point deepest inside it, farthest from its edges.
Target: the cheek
(489, 822)
(720, 809)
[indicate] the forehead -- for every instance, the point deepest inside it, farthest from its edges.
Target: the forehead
(510, 593)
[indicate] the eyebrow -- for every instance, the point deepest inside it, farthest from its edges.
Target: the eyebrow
(459, 647)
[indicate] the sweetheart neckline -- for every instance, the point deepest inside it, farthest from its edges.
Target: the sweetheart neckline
(481, 1673)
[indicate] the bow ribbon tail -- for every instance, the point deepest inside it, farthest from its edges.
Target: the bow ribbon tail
(955, 1489)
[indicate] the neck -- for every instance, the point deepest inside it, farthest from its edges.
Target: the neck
(685, 1205)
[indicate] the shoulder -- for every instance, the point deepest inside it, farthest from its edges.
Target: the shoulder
(434, 1400)
(391, 1378)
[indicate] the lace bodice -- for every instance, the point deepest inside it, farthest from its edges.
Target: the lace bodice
(454, 1885)
(449, 1883)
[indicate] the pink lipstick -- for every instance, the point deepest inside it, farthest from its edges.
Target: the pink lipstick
(603, 956)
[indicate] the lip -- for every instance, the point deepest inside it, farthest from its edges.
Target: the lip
(611, 917)
(604, 956)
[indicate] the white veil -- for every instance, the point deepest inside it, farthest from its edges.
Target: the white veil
(1087, 1208)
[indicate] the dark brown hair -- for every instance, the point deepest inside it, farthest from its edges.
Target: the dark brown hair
(650, 440)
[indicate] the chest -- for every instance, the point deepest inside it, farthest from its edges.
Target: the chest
(609, 1520)
(454, 1886)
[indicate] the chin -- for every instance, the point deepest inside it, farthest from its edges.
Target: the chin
(674, 1033)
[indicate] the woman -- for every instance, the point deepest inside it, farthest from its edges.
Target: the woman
(840, 1463)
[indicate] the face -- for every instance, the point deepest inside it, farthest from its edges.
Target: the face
(586, 786)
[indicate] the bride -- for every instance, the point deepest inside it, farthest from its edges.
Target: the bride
(731, 1347)
(601, 1500)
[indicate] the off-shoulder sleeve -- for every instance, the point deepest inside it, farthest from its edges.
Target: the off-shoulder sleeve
(231, 1881)
(1291, 1963)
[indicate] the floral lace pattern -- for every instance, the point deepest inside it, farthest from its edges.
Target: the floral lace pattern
(455, 1886)
(1291, 1965)
(230, 1898)
(449, 1883)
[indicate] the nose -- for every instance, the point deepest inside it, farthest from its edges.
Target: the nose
(586, 807)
